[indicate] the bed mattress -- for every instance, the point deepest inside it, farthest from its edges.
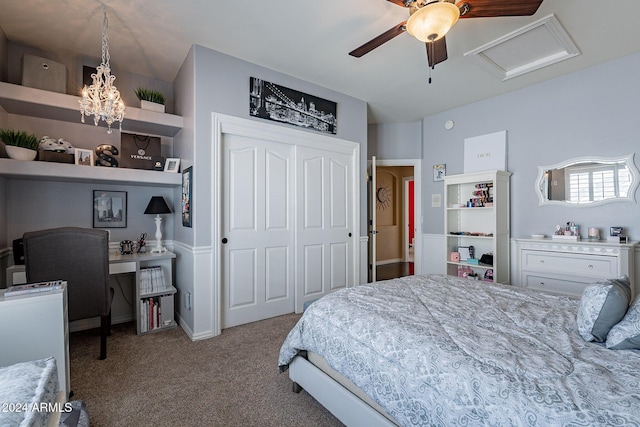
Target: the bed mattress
(441, 350)
(28, 391)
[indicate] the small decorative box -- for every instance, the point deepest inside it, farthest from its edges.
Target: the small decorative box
(563, 237)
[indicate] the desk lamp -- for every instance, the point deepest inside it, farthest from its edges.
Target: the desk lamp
(158, 206)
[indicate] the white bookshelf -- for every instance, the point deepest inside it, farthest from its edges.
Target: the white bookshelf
(477, 215)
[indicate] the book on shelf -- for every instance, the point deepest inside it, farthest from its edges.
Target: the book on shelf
(33, 288)
(152, 280)
(152, 316)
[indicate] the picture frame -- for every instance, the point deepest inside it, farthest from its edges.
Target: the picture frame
(109, 209)
(171, 164)
(187, 199)
(83, 157)
(439, 172)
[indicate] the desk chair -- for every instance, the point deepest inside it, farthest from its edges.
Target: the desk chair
(81, 257)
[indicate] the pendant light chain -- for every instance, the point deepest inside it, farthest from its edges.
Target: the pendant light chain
(102, 99)
(105, 38)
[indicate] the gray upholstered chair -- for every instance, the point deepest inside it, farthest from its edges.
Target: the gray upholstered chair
(81, 257)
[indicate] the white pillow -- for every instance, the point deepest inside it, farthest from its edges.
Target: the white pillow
(602, 305)
(626, 334)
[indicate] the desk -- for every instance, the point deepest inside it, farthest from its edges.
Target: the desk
(119, 264)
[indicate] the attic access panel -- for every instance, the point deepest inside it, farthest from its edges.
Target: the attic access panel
(527, 49)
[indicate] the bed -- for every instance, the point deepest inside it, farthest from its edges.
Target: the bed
(441, 350)
(29, 394)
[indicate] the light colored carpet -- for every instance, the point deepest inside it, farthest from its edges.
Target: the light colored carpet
(164, 378)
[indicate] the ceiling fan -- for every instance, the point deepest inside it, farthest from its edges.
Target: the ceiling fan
(430, 20)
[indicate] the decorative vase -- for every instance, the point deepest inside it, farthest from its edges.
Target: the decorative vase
(152, 106)
(20, 153)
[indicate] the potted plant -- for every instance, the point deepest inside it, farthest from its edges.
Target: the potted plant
(150, 99)
(19, 144)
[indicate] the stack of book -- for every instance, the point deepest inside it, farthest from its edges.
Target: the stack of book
(152, 280)
(33, 288)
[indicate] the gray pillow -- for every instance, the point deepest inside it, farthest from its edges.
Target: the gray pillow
(626, 334)
(602, 305)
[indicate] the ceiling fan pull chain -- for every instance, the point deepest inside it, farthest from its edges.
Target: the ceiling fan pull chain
(430, 47)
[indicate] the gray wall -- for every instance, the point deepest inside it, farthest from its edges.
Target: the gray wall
(34, 204)
(391, 141)
(222, 86)
(590, 112)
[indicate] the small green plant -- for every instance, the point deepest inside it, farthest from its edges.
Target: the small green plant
(19, 138)
(151, 95)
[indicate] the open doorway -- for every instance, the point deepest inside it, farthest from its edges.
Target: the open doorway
(396, 200)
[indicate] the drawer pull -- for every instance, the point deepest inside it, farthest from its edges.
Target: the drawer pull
(541, 261)
(590, 266)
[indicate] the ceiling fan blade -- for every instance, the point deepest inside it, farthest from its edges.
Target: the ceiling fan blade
(436, 51)
(492, 8)
(398, 2)
(378, 41)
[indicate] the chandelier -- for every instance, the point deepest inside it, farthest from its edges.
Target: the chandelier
(102, 99)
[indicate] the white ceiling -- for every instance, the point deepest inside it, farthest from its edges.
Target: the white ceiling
(310, 40)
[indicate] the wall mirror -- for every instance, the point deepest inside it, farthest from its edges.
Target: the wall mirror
(588, 181)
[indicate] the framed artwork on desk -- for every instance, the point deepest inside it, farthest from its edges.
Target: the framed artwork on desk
(109, 209)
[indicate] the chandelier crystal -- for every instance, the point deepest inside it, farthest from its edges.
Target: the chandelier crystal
(102, 99)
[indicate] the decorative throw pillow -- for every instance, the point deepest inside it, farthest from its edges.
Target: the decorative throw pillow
(626, 334)
(602, 305)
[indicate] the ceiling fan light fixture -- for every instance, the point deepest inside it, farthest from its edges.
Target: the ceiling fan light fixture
(433, 21)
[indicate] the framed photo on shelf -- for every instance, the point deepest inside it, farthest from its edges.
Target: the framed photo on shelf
(171, 165)
(187, 176)
(109, 209)
(439, 172)
(83, 157)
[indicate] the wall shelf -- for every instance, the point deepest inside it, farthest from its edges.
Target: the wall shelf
(65, 172)
(27, 101)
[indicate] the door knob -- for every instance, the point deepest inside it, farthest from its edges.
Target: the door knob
(349, 234)
(224, 240)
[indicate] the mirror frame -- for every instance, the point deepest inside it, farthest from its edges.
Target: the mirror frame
(589, 159)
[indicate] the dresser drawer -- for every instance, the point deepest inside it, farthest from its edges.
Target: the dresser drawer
(569, 286)
(580, 264)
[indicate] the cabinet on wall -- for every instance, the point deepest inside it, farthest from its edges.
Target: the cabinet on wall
(476, 222)
(569, 267)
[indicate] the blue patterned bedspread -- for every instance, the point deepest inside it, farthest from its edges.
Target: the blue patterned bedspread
(443, 351)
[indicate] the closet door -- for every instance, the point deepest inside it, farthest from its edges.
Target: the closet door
(257, 231)
(324, 221)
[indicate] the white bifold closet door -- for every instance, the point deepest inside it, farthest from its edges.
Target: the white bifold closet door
(258, 233)
(286, 228)
(324, 218)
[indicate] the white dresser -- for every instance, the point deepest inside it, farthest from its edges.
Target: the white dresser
(34, 327)
(568, 267)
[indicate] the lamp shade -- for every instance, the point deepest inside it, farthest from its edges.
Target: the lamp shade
(433, 21)
(157, 205)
